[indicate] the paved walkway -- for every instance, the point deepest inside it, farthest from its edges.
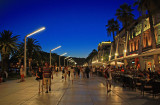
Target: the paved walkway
(82, 92)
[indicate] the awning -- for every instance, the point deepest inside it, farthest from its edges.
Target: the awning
(146, 53)
(118, 63)
(98, 64)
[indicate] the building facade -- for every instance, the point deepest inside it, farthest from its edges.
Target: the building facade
(128, 45)
(103, 53)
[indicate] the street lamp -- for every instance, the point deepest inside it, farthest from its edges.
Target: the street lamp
(116, 54)
(65, 59)
(25, 65)
(59, 59)
(72, 61)
(68, 60)
(53, 50)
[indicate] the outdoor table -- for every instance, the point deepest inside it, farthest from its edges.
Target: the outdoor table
(158, 81)
(136, 77)
(145, 79)
(147, 85)
(130, 76)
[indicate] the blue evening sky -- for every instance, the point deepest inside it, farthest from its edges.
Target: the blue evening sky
(77, 25)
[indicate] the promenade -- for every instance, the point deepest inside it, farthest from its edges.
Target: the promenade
(90, 91)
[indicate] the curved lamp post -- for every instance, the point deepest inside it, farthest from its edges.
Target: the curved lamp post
(59, 59)
(51, 51)
(25, 65)
(65, 59)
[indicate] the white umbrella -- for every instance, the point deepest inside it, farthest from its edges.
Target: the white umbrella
(118, 63)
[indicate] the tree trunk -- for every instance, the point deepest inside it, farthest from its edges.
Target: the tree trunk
(155, 57)
(30, 62)
(19, 61)
(125, 50)
(141, 61)
(116, 53)
(114, 44)
(3, 62)
(110, 55)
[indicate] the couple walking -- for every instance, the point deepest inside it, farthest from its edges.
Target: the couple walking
(70, 71)
(46, 75)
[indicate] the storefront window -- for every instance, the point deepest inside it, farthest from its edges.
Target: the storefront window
(158, 35)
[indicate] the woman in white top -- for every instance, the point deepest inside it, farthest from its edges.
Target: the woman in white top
(81, 72)
(72, 74)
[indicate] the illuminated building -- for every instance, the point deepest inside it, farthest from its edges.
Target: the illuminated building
(128, 43)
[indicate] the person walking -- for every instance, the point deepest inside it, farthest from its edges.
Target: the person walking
(69, 68)
(78, 68)
(76, 71)
(47, 74)
(57, 69)
(108, 77)
(81, 72)
(94, 70)
(52, 69)
(65, 72)
(22, 73)
(72, 74)
(39, 75)
(83, 69)
(87, 70)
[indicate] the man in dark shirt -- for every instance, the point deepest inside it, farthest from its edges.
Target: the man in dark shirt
(47, 73)
(87, 70)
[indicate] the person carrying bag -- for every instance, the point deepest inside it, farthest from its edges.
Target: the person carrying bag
(108, 76)
(39, 77)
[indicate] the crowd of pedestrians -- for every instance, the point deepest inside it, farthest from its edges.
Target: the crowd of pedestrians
(75, 72)
(45, 74)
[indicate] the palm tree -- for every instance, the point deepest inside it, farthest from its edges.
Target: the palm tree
(151, 7)
(112, 27)
(19, 53)
(124, 14)
(8, 43)
(140, 46)
(33, 48)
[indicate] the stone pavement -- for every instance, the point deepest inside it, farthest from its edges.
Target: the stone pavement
(82, 92)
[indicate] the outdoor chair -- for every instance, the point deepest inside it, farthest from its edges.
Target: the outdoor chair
(116, 77)
(156, 88)
(147, 86)
(138, 84)
(127, 82)
(131, 83)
